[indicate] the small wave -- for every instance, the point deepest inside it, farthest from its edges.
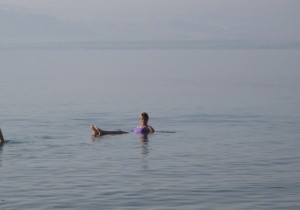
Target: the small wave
(160, 131)
(12, 142)
(165, 131)
(47, 137)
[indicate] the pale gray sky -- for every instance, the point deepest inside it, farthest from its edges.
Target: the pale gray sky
(174, 19)
(127, 5)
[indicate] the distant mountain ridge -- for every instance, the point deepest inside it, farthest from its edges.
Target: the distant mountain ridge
(18, 24)
(154, 29)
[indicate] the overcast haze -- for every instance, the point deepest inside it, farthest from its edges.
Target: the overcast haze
(150, 20)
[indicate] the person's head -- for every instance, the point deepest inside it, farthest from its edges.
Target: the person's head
(144, 118)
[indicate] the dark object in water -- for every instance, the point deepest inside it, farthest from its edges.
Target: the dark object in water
(1, 139)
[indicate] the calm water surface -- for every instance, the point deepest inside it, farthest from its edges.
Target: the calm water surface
(227, 126)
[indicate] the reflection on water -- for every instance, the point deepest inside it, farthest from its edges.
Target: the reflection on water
(95, 139)
(144, 148)
(143, 137)
(1, 148)
(144, 153)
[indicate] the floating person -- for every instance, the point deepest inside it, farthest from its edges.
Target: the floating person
(143, 128)
(1, 138)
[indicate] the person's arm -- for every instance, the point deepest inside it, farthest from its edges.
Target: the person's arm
(151, 129)
(1, 138)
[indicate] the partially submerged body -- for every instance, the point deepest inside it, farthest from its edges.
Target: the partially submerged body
(99, 132)
(143, 128)
(1, 138)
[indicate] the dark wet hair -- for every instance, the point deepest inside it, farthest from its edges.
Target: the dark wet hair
(145, 116)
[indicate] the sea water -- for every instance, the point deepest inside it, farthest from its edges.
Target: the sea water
(227, 122)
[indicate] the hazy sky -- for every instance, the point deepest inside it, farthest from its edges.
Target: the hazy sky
(121, 5)
(177, 19)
